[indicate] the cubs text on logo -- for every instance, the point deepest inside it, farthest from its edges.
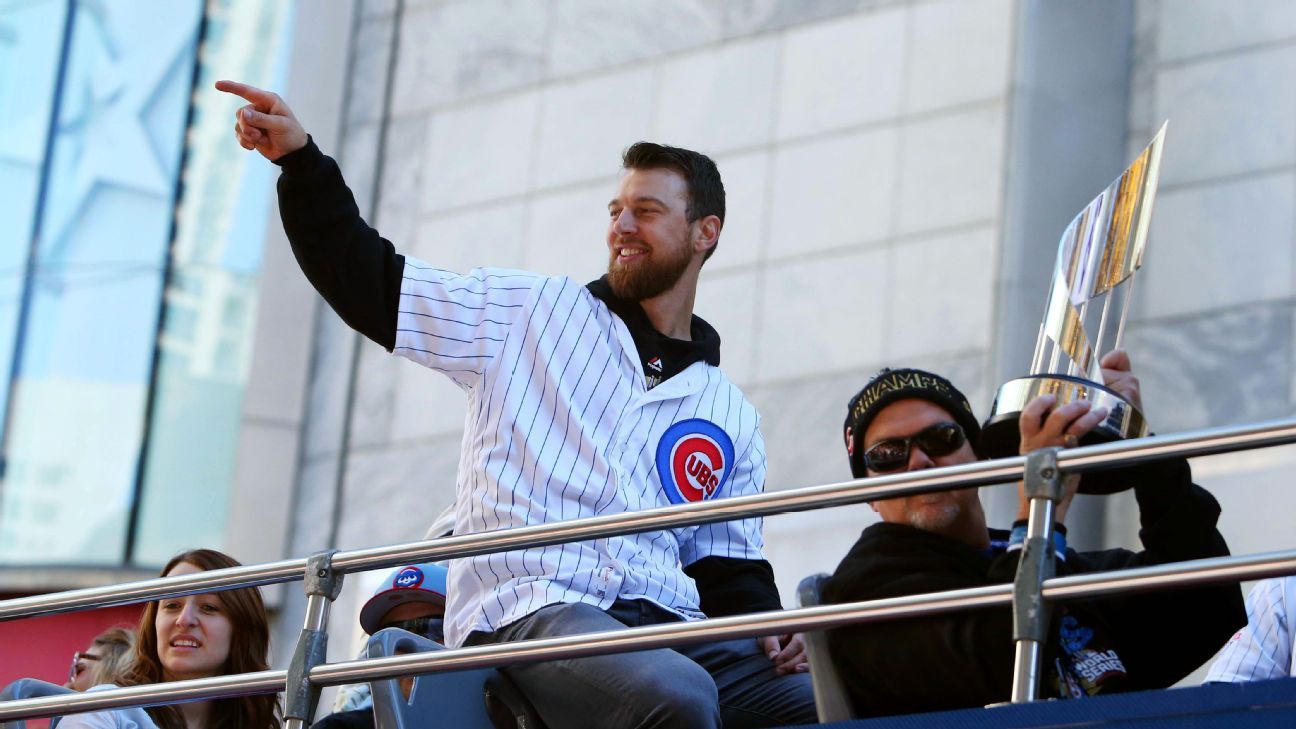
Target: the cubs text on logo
(408, 578)
(694, 457)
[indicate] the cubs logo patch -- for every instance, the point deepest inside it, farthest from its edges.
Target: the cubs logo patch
(408, 578)
(694, 457)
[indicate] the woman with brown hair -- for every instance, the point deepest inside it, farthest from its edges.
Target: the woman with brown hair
(199, 636)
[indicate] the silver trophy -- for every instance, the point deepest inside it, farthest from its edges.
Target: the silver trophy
(1093, 285)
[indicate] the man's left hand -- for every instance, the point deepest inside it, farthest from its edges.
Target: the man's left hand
(786, 651)
(1118, 377)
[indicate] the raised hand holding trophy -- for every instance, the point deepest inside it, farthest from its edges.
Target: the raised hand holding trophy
(1092, 287)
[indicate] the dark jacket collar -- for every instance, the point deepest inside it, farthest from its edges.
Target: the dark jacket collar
(661, 356)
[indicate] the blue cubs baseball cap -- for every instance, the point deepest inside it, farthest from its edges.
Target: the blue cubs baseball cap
(425, 583)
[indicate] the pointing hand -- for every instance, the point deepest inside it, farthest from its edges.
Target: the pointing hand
(265, 124)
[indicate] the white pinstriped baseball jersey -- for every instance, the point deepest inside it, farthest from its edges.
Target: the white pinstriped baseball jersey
(561, 426)
(1262, 649)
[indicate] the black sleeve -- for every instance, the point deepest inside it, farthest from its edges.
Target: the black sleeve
(951, 661)
(731, 586)
(1166, 635)
(356, 271)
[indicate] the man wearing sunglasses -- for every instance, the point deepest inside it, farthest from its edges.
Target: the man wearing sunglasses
(412, 598)
(909, 420)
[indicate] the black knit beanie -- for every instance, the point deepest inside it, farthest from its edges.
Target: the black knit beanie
(891, 385)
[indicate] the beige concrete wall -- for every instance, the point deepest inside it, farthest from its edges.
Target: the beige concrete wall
(869, 148)
(862, 145)
(1213, 321)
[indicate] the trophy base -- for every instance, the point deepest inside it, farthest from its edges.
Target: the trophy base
(1001, 435)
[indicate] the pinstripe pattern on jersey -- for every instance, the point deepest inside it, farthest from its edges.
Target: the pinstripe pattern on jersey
(1263, 649)
(560, 426)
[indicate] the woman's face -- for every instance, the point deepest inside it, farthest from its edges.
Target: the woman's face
(83, 668)
(193, 633)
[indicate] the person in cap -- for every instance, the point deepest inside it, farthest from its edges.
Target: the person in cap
(909, 420)
(412, 598)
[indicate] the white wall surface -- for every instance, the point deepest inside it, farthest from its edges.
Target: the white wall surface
(865, 146)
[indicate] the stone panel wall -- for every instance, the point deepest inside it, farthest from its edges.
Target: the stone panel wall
(862, 145)
(891, 166)
(1213, 319)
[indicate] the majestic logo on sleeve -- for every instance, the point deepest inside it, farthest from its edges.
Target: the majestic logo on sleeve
(694, 457)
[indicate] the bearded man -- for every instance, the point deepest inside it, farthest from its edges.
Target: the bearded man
(582, 400)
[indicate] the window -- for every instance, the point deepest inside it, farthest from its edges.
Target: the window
(130, 337)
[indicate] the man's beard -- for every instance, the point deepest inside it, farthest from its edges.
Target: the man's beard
(935, 518)
(655, 275)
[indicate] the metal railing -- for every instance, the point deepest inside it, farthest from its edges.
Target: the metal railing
(322, 573)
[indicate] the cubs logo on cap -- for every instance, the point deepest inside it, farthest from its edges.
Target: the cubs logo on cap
(407, 578)
(694, 457)
(425, 583)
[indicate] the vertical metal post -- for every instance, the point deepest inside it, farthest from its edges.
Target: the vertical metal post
(322, 588)
(1043, 486)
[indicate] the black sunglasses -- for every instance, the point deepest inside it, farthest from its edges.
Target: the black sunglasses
(936, 440)
(430, 628)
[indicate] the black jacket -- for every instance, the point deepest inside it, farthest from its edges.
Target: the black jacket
(965, 659)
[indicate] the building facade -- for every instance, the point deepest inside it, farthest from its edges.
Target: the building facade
(898, 176)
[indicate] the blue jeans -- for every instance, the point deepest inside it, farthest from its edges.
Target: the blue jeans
(728, 684)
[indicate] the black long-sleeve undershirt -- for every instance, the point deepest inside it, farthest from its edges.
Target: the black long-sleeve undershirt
(357, 271)
(731, 586)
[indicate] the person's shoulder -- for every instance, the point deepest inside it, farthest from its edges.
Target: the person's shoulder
(91, 720)
(354, 719)
(488, 275)
(1101, 560)
(549, 286)
(1285, 587)
(134, 717)
(889, 542)
(882, 549)
(719, 380)
(1275, 593)
(895, 559)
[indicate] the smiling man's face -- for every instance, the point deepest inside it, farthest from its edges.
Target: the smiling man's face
(650, 240)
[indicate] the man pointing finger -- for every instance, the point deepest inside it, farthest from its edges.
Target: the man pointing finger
(266, 124)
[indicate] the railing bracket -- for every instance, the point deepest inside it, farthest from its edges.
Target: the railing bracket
(1043, 487)
(323, 584)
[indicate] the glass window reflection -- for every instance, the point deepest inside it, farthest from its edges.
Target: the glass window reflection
(129, 342)
(31, 43)
(78, 402)
(211, 301)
